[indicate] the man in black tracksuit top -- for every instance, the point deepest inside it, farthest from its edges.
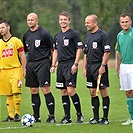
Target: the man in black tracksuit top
(38, 44)
(97, 51)
(67, 51)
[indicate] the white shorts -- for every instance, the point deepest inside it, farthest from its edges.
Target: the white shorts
(126, 77)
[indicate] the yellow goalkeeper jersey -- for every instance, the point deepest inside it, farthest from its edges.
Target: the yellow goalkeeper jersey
(9, 53)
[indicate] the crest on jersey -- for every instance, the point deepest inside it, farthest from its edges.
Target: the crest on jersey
(66, 42)
(11, 45)
(37, 43)
(94, 45)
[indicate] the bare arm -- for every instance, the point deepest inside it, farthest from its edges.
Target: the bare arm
(23, 61)
(104, 61)
(54, 61)
(84, 66)
(118, 64)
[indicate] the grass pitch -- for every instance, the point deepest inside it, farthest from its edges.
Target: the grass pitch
(118, 111)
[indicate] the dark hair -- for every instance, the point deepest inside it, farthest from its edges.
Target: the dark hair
(124, 15)
(5, 21)
(64, 13)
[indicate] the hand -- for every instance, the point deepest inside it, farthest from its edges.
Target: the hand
(84, 73)
(52, 69)
(24, 73)
(118, 73)
(101, 70)
(74, 69)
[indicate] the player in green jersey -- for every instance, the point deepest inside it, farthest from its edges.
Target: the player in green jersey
(124, 49)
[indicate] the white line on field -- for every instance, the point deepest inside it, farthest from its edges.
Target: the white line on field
(88, 122)
(11, 127)
(19, 127)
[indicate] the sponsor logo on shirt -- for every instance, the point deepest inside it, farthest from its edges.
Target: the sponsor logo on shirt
(94, 45)
(7, 52)
(37, 43)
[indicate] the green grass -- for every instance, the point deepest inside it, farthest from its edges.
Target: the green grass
(118, 111)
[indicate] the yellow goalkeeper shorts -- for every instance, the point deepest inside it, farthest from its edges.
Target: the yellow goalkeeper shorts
(11, 81)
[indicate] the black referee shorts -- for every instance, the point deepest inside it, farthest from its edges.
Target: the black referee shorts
(64, 76)
(92, 74)
(38, 73)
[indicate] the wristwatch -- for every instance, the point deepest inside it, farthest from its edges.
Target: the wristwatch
(53, 66)
(76, 64)
(103, 65)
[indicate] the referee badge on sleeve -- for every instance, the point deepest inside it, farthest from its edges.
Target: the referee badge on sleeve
(37, 43)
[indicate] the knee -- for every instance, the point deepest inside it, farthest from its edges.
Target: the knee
(34, 90)
(103, 92)
(17, 97)
(71, 91)
(64, 92)
(93, 92)
(129, 93)
(45, 90)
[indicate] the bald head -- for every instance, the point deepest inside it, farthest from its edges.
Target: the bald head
(91, 23)
(32, 21)
(92, 17)
(33, 15)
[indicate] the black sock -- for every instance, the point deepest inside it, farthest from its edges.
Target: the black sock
(66, 105)
(36, 102)
(76, 102)
(50, 103)
(95, 106)
(106, 103)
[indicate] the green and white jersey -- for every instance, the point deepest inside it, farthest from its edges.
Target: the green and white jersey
(125, 46)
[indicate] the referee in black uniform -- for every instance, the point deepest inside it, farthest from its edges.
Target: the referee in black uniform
(97, 51)
(67, 51)
(38, 44)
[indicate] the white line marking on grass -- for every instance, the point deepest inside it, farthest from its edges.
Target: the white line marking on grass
(11, 127)
(19, 127)
(88, 122)
(65, 124)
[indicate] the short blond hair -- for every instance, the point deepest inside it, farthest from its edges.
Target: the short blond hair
(64, 13)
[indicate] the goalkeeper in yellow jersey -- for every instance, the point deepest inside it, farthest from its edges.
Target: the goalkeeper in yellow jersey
(12, 65)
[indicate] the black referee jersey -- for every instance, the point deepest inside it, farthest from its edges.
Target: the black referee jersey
(95, 45)
(67, 44)
(38, 44)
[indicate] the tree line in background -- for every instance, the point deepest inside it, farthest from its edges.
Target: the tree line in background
(108, 11)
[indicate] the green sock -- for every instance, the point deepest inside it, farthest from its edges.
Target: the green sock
(130, 106)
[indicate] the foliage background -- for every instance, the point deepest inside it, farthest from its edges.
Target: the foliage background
(108, 11)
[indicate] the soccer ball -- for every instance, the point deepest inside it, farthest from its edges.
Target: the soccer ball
(28, 120)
